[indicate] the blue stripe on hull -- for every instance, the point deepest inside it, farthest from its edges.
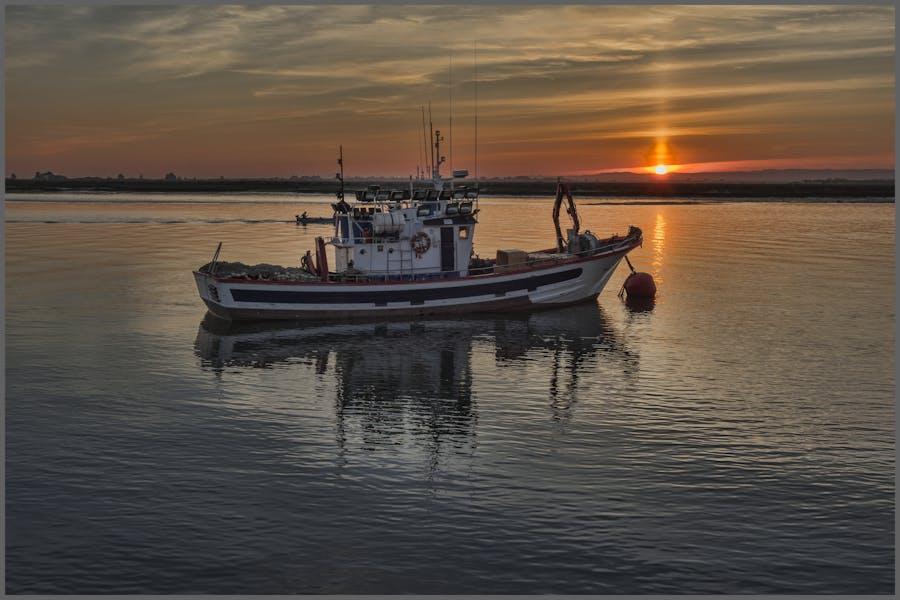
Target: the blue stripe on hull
(275, 296)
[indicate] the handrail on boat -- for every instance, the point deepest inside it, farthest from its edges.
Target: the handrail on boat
(474, 272)
(613, 243)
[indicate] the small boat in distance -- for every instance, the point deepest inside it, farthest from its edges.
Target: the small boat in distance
(402, 253)
(305, 219)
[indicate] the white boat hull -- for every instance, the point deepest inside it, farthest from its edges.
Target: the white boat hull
(559, 284)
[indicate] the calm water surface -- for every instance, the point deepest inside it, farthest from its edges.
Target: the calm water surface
(738, 437)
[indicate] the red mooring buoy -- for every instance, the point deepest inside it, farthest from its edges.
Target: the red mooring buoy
(639, 286)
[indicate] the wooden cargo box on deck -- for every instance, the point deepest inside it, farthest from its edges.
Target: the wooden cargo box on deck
(508, 260)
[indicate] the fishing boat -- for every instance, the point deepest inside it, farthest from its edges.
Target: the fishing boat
(409, 253)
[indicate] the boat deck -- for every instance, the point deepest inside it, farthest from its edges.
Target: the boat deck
(478, 268)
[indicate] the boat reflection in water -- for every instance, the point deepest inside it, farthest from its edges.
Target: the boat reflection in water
(401, 376)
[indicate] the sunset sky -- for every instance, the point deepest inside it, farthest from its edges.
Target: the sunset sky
(271, 91)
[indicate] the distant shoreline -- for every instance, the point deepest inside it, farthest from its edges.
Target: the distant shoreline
(586, 201)
(883, 190)
(758, 200)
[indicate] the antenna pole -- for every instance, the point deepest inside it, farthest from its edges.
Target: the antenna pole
(341, 174)
(424, 144)
(475, 55)
(431, 127)
(451, 119)
(419, 157)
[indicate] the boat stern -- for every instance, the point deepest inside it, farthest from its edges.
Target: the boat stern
(211, 293)
(205, 285)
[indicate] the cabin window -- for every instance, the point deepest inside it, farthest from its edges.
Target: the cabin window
(463, 233)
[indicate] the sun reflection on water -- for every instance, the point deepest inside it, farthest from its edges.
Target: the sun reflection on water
(659, 240)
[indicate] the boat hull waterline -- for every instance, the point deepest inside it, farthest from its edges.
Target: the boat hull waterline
(565, 283)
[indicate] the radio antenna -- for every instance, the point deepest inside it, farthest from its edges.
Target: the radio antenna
(340, 175)
(419, 157)
(451, 118)
(424, 143)
(431, 127)
(475, 57)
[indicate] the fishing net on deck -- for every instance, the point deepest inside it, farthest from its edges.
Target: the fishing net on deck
(265, 271)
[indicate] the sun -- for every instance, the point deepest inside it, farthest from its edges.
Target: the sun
(661, 169)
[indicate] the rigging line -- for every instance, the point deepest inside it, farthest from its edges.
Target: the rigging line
(431, 127)
(419, 158)
(450, 89)
(425, 143)
(475, 57)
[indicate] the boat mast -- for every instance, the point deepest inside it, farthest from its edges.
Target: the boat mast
(431, 127)
(438, 138)
(340, 175)
(427, 166)
(475, 57)
(418, 158)
(450, 91)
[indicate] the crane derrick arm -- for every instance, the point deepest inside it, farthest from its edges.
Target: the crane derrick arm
(562, 191)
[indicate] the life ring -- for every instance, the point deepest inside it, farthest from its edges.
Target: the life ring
(420, 243)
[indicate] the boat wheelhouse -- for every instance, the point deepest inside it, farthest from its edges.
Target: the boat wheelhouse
(409, 252)
(405, 234)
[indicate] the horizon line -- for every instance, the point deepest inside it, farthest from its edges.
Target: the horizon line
(641, 171)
